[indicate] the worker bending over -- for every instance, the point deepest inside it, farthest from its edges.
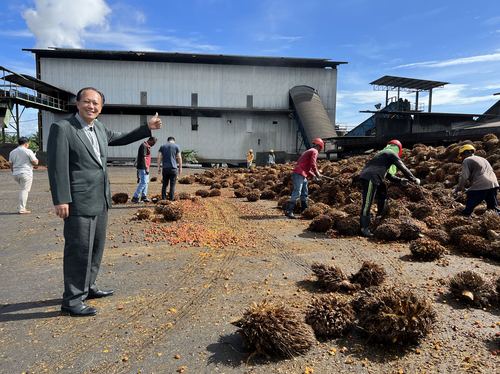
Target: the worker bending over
(483, 183)
(385, 164)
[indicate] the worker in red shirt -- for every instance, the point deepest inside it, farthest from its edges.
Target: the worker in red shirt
(306, 167)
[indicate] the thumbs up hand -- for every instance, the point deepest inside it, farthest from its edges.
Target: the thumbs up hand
(155, 122)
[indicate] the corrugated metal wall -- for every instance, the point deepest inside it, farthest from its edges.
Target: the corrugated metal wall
(216, 85)
(224, 138)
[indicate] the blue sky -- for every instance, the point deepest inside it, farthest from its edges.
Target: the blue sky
(452, 41)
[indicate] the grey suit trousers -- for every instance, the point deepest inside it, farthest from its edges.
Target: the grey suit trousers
(84, 240)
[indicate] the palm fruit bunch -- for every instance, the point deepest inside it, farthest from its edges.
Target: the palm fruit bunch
(332, 278)
(321, 223)
(471, 288)
(274, 331)
(214, 192)
(426, 249)
(369, 275)
(394, 316)
(120, 198)
(202, 193)
(329, 316)
(172, 212)
(144, 214)
(253, 195)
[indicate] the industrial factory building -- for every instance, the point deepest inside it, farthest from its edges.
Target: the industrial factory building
(217, 105)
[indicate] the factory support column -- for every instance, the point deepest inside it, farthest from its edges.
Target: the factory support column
(430, 100)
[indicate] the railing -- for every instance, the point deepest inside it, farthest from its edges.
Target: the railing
(38, 98)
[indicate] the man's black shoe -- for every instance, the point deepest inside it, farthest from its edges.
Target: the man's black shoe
(80, 310)
(135, 199)
(99, 293)
(145, 199)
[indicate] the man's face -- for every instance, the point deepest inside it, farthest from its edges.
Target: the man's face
(90, 105)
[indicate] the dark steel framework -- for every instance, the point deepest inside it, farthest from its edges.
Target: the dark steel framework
(21, 91)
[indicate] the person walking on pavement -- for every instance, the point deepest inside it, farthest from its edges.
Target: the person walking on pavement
(21, 161)
(143, 163)
(77, 152)
(250, 157)
(306, 167)
(170, 160)
(385, 164)
(483, 183)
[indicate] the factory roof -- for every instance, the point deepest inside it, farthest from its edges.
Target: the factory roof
(192, 58)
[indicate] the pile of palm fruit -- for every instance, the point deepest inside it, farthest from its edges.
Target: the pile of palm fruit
(427, 213)
(387, 314)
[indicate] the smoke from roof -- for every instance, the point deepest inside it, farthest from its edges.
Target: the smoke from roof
(57, 23)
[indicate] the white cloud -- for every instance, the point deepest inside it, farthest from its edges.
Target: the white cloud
(492, 21)
(147, 40)
(279, 38)
(453, 62)
(90, 24)
(360, 97)
(455, 94)
(57, 23)
(17, 33)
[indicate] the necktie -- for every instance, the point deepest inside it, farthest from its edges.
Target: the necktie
(95, 144)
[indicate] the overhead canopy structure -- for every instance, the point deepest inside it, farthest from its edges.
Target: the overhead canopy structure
(410, 84)
(390, 83)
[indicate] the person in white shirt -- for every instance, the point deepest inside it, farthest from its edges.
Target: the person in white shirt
(21, 161)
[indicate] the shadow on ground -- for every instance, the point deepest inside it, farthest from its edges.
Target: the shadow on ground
(8, 311)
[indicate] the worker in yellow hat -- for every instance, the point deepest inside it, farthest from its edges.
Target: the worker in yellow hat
(478, 174)
(250, 157)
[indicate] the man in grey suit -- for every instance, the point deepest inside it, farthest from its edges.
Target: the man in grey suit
(77, 151)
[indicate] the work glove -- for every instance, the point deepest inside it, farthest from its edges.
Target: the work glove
(147, 172)
(417, 181)
(404, 182)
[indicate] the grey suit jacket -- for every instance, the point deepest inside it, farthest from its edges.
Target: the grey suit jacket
(75, 175)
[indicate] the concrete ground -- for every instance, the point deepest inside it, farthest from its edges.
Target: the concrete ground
(173, 303)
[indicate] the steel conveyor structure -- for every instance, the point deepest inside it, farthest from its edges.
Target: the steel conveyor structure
(311, 114)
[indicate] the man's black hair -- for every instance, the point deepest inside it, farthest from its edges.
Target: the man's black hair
(79, 93)
(170, 138)
(22, 140)
(152, 139)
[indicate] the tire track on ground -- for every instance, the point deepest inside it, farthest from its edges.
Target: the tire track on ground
(141, 344)
(68, 356)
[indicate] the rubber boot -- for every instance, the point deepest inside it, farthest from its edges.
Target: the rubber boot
(303, 206)
(365, 226)
(382, 209)
(290, 207)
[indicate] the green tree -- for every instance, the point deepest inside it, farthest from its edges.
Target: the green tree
(189, 156)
